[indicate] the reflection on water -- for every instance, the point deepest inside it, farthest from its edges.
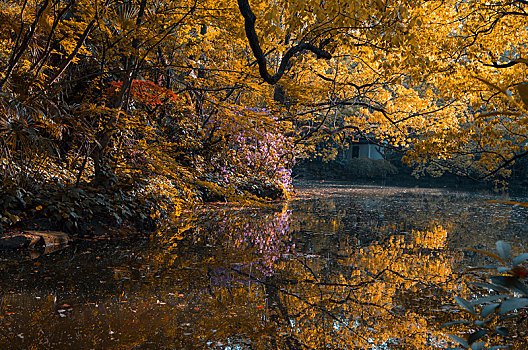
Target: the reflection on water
(342, 267)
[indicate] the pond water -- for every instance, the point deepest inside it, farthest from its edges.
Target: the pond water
(341, 267)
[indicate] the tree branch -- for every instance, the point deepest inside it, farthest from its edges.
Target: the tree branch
(72, 55)
(251, 34)
(17, 52)
(508, 64)
(47, 50)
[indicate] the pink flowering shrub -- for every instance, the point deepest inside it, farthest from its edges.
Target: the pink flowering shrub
(253, 154)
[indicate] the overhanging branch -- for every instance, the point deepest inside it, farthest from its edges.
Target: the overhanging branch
(251, 34)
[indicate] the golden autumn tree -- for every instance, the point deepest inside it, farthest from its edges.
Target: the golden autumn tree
(443, 81)
(473, 57)
(338, 68)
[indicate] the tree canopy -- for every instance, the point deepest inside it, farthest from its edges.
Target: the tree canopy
(179, 101)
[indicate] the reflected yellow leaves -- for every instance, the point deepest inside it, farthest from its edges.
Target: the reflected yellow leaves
(385, 294)
(362, 268)
(234, 278)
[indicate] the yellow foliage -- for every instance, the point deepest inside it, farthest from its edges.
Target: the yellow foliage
(145, 86)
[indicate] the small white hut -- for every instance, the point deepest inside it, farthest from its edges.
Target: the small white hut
(364, 149)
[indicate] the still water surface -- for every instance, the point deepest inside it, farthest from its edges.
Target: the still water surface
(341, 267)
